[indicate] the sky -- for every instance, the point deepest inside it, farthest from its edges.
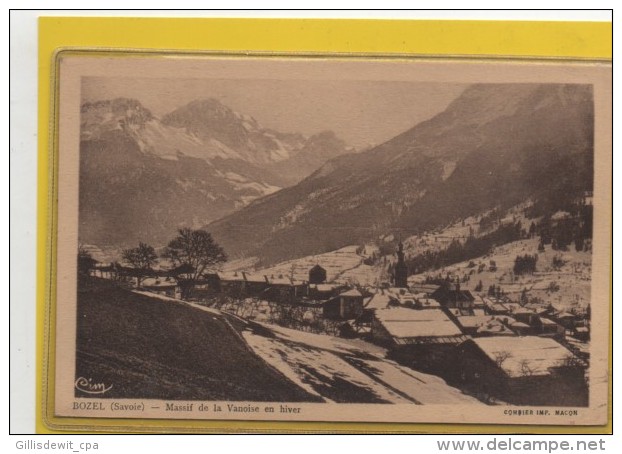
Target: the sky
(360, 112)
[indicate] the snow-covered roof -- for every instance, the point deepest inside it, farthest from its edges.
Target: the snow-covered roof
(403, 294)
(495, 328)
(519, 325)
(474, 321)
(537, 308)
(230, 276)
(427, 303)
(352, 292)
(522, 310)
(488, 301)
(254, 277)
(564, 315)
(419, 295)
(409, 323)
(282, 281)
(529, 355)
(487, 324)
(424, 288)
(379, 301)
(484, 321)
(325, 287)
(159, 282)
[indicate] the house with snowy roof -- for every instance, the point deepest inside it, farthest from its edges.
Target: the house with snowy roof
(522, 370)
(494, 306)
(380, 300)
(424, 339)
(566, 319)
(485, 325)
(274, 288)
(451, 295)
(400, 326)
(284, 289)
(347, 305)
(428, 289)
(325, 291)
(161, 285)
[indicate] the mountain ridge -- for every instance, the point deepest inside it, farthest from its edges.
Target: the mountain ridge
(482, 151)
(142, 178)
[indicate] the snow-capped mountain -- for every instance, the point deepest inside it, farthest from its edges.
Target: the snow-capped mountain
(291, 156)
(495, 145)
(240, 135)
(142, 177)
(150, 134)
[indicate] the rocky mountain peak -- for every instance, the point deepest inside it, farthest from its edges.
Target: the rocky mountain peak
(117, 114)
(209, 119)
(198, 163)
(496, 144)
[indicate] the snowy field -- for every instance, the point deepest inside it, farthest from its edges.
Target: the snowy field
(341, 370)
(566, 288)
(338, 370)
(336, 263)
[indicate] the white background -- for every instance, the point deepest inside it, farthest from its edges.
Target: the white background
(23, 157)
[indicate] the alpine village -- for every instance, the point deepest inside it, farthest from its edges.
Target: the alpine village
(450, 264)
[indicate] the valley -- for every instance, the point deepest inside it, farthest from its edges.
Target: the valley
(451, 263)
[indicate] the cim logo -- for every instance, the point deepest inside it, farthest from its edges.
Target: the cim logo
(86, 385)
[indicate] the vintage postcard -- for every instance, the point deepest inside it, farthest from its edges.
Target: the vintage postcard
(332, 239)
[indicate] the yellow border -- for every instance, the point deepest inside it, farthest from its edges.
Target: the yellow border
(483, 39)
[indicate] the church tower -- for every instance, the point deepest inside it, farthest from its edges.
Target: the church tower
(400, 276)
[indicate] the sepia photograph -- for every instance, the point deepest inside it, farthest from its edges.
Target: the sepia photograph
(333, 239)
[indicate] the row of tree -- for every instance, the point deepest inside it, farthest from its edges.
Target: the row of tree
(189, 255)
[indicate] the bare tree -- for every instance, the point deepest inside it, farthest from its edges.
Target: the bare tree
(193, 252)
(85, 261)
(572, 361)
(526, 369)
(501, 357)
(142, 259)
